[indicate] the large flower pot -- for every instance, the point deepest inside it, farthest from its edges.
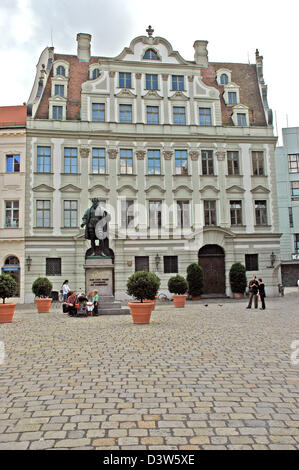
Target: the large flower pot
(43, 305)
(7, 312)
(141, 311)
(238, 296)
(195, 297)
(153, 301)
(179, 300)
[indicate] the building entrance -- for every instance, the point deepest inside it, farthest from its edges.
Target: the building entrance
(212, 259)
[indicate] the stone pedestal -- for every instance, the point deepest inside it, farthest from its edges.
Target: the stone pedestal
(99, 275)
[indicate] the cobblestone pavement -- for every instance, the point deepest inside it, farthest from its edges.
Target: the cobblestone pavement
(215, 377)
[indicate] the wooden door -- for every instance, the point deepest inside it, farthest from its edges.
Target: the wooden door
(213, 271)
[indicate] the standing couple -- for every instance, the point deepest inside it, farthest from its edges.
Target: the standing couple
(256, 287)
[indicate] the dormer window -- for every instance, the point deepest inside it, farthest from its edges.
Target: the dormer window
(60, 70)
(224, 79)
(242, 121)
(232, 97)
(151, 54)
(59, 90)
(96, 73)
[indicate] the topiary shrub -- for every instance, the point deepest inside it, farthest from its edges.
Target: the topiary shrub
(42, 287)
(8, 286)
(195, 279)
(237, 278)
(177, 285)
(143, 285)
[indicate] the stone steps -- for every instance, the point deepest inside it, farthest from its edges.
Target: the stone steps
(114, 311)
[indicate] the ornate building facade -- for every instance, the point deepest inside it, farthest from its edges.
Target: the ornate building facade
(12, 194)
(181, 153)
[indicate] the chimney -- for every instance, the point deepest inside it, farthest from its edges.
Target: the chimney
(83, 50)
(201, 53)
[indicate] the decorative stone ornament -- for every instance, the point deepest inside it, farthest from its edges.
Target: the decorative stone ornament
(112, 153)
(220, 155)
(168, 154)
(140, 154)
(138, 76)
(165, 77)
(190, 78)
(111, 74)
(194, 154)
(84, 152)
(150, 31)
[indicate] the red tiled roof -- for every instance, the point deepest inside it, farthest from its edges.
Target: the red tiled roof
(13, 116)
(243, 75)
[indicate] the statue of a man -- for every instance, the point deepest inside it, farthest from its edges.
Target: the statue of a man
(96, 228)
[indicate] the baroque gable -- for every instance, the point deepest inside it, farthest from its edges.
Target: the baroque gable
(260, 190)
(235, 189)
(70, 188)
(43, 188)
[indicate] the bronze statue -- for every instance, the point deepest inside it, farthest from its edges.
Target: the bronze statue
(95, 221)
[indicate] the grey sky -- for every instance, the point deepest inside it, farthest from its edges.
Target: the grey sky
(234, 30)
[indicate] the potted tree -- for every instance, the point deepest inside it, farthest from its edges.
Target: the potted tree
(178, 286)
(158, 281)
(195, 280)
(238, 281)
(8, 288)
(42, 288)
(143, 286)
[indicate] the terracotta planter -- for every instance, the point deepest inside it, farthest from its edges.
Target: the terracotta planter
(43, 305)
(195, 297)
(179, 300)
(141, 311)
(238, 296)
(153, 301)
(7, 312)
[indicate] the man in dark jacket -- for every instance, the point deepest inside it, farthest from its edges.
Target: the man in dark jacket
(262, 293)
(253, 291)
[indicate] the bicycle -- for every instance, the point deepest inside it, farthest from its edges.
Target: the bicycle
(163, 297)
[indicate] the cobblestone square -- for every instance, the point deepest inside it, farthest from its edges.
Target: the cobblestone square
(203, 377)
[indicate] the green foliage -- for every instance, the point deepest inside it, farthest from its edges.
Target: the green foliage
(8, 286)
(42, 287)
(177, 285)
(195, 279)
(237, 277)
(143, 285)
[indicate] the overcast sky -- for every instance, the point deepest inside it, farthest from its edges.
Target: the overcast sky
(234, 30)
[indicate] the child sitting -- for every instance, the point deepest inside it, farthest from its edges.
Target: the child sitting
(89, 304)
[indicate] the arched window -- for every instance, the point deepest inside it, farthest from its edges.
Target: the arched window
(95, 73)
(60, 70)
(224, 79)
(12, 260)
(151, 54)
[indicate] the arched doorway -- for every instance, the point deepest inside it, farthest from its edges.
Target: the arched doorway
(212, 260)
(12, 267)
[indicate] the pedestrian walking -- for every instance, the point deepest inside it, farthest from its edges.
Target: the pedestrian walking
(253, 291)
(262, 293)
(65, 290)
(95, 303)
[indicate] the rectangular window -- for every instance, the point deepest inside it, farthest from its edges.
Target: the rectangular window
(210, 212)
(43, 159)
(155, 214)
(171, 264)
(181, 162)
(127, 214)
(241, 119)
(70, 160)
(141, 263)
(177, 82)
(236, 212)
(261, 212)
(179, 115)
(53, 266)
(70, 214)
(152, 113)
(291, 220)
(125, 113)
(11, 214)
(183, 214)
(98, 161)
(293, 163)
(232, 97)
(297, 243)
(258, 163)
(251, 262)
(151, 81)
(154, 162)
(57, 113)
(205, 117)
(124, 80)
(295, 188)
(126, 161)
(13, 163)
(59, 90)
(207, 162)
(233, 163)
(98, 112)
(43, 214)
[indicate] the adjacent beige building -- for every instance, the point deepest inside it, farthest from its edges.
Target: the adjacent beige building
(180, 152)
(12, 194)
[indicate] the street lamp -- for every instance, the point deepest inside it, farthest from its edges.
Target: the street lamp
(157, 261)
(272, 259)
(28, 263)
